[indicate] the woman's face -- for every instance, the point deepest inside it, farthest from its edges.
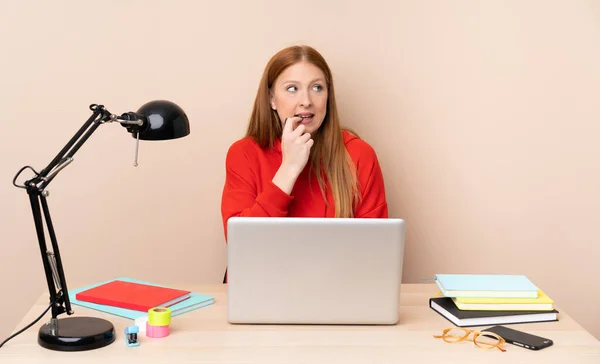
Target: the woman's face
(300, 90)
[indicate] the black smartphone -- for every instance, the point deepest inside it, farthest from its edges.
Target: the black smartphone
(520, 338)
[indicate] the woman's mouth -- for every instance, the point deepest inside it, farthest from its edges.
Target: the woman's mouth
(306, 117)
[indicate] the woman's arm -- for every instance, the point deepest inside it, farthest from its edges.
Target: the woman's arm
(240, 196)
(373, 202)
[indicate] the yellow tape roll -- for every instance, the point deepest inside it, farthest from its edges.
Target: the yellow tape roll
(159, 316)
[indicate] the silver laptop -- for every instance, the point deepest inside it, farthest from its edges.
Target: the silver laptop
(314, 270)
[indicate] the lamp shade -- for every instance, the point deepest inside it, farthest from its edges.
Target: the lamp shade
(163, 120)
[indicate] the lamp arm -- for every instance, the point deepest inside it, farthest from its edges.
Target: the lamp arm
(100, 115)
(97, 110)
(55, 279)
(36, 189)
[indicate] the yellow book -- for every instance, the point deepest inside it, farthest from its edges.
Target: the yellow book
(541, 303)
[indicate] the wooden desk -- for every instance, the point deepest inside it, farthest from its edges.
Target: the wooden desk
(204, 336)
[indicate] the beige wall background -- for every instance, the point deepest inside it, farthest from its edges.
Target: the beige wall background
(485, 116)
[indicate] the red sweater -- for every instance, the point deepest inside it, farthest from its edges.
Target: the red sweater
(249, 190)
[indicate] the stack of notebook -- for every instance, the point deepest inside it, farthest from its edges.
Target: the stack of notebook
(491, 299)
(132, 298)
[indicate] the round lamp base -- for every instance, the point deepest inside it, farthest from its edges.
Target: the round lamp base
(77, 334)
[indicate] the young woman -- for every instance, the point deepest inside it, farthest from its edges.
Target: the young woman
(296, 160)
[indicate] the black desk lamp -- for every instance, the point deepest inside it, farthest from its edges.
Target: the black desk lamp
(155, 120)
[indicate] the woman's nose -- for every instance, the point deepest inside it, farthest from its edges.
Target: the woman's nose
(305, 100)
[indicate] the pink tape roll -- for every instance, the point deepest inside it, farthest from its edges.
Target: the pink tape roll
(157, 331)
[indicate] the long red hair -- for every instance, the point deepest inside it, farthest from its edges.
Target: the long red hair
(329, 160)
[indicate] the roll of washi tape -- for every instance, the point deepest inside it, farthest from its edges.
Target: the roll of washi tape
(156, 331)
(159, 316)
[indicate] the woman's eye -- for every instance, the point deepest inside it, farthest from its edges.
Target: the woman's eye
(291, 88)
(318, 88)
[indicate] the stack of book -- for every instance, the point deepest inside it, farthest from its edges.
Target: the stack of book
(132, 298)
(491, 299)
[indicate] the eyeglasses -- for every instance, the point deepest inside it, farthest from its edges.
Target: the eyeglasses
(484, 340)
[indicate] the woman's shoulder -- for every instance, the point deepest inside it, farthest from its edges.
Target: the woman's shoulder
(242, 149)
(358, 148)
(243, 144)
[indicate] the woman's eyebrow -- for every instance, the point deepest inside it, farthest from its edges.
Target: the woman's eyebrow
(315, 80)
